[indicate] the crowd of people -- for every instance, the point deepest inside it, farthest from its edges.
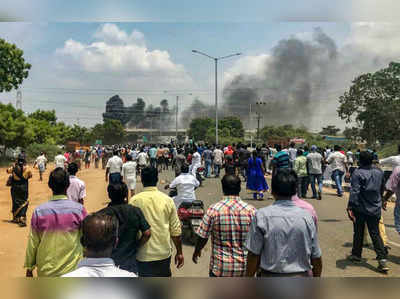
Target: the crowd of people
(132, 235)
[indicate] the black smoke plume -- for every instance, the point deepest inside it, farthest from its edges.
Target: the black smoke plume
(295, 75)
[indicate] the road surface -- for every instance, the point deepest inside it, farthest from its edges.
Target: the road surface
(335, 230)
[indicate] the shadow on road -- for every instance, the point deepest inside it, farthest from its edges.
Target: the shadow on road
(344, 263)
(330, 220)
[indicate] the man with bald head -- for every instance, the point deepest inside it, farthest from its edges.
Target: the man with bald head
(228, 222)
(99, 238)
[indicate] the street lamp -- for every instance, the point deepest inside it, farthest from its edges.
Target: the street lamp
(216, 85)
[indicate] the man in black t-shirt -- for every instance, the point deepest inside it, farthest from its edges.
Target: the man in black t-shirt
(131, 222)
(244, 156)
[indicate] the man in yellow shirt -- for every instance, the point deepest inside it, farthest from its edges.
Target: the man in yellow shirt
(154, 257)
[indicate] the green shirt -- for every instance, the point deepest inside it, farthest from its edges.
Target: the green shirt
(300, 166)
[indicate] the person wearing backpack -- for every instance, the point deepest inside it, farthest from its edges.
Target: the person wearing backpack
(19, 183)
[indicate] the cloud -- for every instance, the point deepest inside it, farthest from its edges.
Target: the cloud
(119, 52)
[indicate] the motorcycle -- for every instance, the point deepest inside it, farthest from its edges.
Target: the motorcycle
(191, 214)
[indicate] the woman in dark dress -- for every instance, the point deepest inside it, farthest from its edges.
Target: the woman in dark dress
(20, 190)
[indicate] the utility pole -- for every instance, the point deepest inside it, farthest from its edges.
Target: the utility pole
(176, 119)
(160, 125)
(216, 100)
(151, 128)
(258, 126)
(251, 136)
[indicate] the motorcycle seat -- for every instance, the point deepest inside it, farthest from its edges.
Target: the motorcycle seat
(197, 203)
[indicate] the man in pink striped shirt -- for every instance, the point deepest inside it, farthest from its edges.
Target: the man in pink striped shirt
(54, 246)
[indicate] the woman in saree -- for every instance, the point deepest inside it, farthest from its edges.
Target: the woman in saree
(20, 190)
(256, 182)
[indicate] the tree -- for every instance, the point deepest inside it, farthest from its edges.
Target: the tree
(13, 68)
(49, 116)
(373, 102)
(351, 133)
(113, 131)
(229, 128)
(233, 125)
(14, 128)
(329, 130)
(199, 126)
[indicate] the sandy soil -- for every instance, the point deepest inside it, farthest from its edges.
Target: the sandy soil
(13, 238)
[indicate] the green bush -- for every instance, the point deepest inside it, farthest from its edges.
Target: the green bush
(34, 150)
(387, 150)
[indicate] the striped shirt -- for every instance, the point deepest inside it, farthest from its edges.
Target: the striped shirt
(281, 160)
(228, 222)
(54, 241)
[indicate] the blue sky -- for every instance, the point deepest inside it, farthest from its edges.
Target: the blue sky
(65, 55)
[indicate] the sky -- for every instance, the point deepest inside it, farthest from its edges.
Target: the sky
(83, 54)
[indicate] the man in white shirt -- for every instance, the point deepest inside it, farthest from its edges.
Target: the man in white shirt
(114, 168)
(60, 160)
(338, 163)
(77, 188)
(196, 161)
(185, 184)
(314, 163)
(392, 161)
(129, 174)
(99, 237)
(292, 154)
(218, 160)
(41, 162)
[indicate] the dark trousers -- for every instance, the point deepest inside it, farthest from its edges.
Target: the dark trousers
(153, 162)
(211, 274)
(217, 169)
(160, 268)
(263, 273)
(373, 229)
(115, 178)
(302, 186)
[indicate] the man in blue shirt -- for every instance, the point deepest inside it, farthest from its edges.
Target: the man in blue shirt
(283, 238)
(365, 207)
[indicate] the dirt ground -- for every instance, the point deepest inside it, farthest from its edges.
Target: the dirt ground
(13, 238)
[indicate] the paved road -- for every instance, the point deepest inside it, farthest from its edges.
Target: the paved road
(335, 230)
(335, 234)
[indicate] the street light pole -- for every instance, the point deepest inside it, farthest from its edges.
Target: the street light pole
(216, 85)
(176, 119)
(216, 100)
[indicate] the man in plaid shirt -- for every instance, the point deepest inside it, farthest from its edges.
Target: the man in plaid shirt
(228, 222)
